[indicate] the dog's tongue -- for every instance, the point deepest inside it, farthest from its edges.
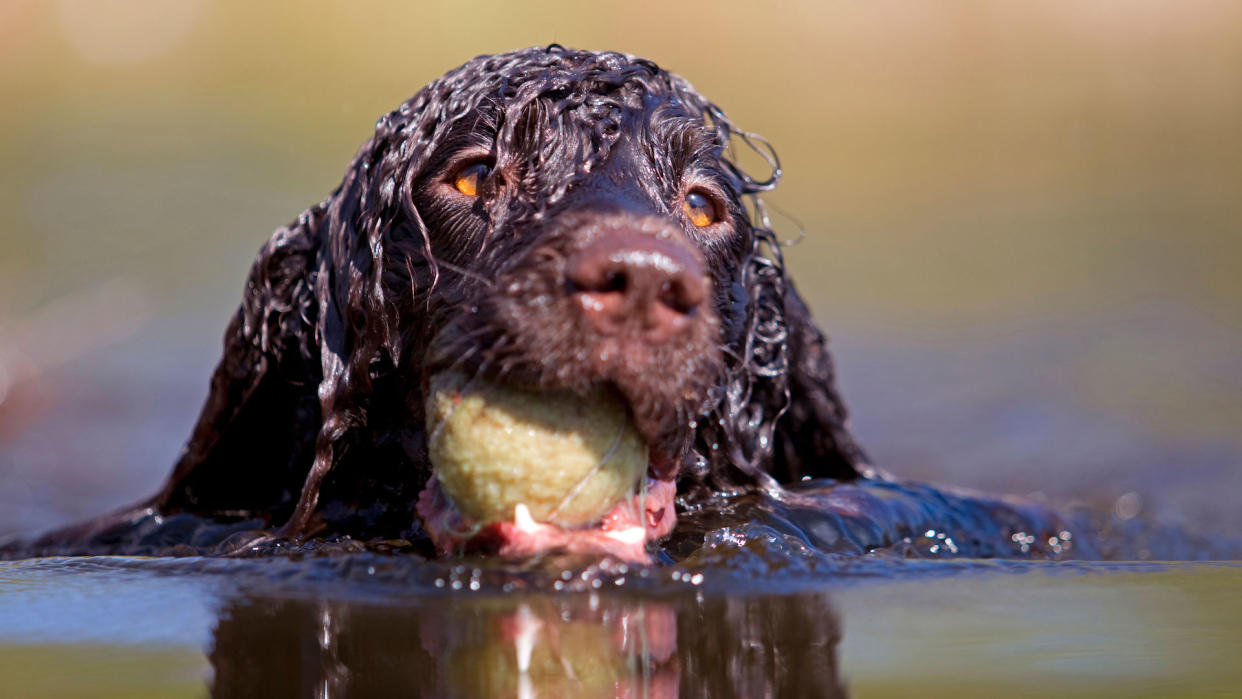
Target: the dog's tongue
(623, 532)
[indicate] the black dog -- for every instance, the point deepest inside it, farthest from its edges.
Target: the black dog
(552, 218)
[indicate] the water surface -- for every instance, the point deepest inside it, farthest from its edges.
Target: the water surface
(384, 625)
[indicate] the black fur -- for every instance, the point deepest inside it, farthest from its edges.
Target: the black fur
(314, 418)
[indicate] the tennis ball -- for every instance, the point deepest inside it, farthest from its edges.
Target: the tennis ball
(568, 458)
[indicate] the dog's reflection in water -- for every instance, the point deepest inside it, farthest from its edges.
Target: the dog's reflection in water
(584, 645)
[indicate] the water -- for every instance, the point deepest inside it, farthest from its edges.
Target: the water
(760, 597)
(763, 597)
(377, 625)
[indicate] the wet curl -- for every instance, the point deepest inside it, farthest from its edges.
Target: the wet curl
(315, 410)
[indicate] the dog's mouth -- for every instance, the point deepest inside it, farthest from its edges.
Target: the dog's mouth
(560, 403)
(520, 472)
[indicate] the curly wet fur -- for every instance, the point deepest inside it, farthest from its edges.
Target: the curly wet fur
(314, 413)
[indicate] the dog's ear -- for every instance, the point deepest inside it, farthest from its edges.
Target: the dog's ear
(323, 319)
(780, 417)
(254, 439)
(812, 437)
(372, 278)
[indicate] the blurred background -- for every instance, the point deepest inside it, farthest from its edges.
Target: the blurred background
(1023, 221)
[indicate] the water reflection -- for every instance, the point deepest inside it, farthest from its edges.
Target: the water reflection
(581, 645)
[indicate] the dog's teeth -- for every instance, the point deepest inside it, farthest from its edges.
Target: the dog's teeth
(631, 535)
(522, 518)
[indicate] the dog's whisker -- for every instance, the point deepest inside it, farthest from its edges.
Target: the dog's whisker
(468, 273)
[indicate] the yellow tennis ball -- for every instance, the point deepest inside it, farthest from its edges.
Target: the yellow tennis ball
(568, 458)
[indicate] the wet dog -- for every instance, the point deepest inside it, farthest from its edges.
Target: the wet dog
(551, 219)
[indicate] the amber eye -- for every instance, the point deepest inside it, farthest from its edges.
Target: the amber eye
(470, 177)
(699, 209)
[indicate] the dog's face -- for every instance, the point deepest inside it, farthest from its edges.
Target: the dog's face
(588, 234)
(562, 222)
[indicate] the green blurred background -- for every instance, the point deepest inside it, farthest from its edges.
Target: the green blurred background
(1023, 220)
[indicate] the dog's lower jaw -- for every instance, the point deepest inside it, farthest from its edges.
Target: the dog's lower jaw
(623, 533)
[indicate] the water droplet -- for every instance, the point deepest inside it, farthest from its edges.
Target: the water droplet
(1128, 506)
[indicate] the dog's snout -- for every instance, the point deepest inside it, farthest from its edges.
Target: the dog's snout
(638, 284)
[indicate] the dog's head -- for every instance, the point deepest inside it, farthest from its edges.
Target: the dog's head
(558, 220)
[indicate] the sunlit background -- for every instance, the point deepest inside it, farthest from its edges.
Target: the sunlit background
(1023, 221)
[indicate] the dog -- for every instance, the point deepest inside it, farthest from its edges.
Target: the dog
(548, 218)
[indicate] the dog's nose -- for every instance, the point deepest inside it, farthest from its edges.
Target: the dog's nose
(638, 284)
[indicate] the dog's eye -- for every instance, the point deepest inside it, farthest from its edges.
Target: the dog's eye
(699, 208)
(470, 177)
